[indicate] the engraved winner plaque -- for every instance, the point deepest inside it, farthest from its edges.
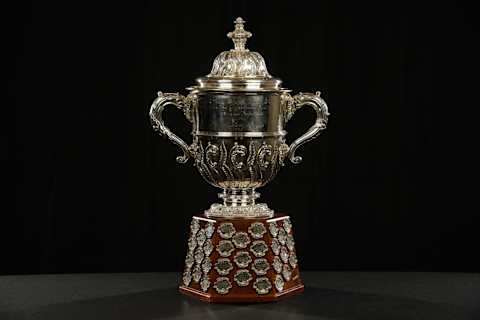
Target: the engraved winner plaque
(239, 250)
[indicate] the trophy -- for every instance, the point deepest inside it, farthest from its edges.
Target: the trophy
(239, 250)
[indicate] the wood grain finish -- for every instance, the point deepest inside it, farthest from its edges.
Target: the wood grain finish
(245, 293)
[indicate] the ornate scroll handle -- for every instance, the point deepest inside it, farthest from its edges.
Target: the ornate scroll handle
(156, 110)
(292, 104)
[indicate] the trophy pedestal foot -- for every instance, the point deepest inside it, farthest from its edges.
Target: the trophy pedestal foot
(241, 259)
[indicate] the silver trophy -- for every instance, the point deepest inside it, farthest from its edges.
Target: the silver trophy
(238, 114)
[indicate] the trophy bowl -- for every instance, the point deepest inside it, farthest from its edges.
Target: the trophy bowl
(238, 113)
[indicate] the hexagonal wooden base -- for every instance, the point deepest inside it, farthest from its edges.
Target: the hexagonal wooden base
(214, 271)
(240, 299)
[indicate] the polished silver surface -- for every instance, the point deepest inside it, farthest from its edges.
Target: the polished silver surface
(239, 62)
(284, 255)
(205, 283)
(282, 236)
(225, 248)
(187, 277)
(194, 226)
(223, 266)
(257, 230)
(292, 104)
(189, 260)
(229, 134)
(260, 266)
(287, 225)
(156, 111)
(241, 240)
(199, 255)
(192, 243)
(293, 260)
(259, 210)
(290, 242)
(206, 266)
(242, 259)
(287, 272)
(243, 277)
(201, 237)
(209, 229)
(279, 283)
(208, 247)
(277, 264)
(276, 246)
(236, 85)
(272, 226)
(226, 230)
(222, 285)
(259, 248)
(238, 114)
(197, 273)
(262, 285)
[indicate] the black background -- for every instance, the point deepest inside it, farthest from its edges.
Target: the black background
(95, 190)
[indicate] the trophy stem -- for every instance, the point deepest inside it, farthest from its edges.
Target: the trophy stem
(239, 203)
(239, 197)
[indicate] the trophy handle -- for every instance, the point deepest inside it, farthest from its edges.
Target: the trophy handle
(181, 102)
(292, 104)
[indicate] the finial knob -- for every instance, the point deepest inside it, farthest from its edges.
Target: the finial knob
(239, 36)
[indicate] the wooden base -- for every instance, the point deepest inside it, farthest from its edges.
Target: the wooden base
(232, 260)
(240, 299)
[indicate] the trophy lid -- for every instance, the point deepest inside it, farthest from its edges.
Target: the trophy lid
(239, 69)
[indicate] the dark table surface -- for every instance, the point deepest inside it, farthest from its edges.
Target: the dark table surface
(328, 295)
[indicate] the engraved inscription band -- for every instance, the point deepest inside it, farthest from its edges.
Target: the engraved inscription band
(249, 134)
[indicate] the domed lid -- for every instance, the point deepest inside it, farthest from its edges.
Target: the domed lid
(239, 69)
